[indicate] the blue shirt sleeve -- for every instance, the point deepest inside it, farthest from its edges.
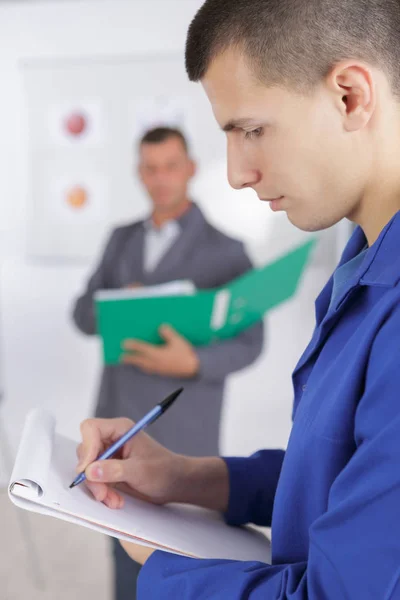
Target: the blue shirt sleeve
(252, 486)
(354, 547)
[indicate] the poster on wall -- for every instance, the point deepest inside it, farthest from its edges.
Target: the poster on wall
(83, 118)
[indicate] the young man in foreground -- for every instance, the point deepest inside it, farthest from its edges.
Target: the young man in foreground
(308, 92)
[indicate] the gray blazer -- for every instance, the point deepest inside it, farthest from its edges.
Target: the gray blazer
(210, 259)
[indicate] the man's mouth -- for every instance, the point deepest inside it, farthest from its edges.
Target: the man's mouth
(275, 203)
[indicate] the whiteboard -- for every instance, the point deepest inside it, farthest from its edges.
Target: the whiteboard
(82, 183)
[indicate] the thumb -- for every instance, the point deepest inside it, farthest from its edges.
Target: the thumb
(107, 471)
(169, 334)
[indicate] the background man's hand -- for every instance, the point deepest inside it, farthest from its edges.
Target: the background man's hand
(176, 358)
(134, 285)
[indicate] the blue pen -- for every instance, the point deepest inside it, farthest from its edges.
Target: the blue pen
(151, 416)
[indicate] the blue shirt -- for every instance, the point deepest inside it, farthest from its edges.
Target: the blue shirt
(334, 497)
(343, 274)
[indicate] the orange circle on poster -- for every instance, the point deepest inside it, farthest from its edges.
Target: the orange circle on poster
(77, 197)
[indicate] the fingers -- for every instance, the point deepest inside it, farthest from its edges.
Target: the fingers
(91, 444)
(107, 471)
(96, 433)
(79, 452)
(105, 494)
(140, 347)
(168, 333)
(145, 364)
(135, 285)
(101, 473)
(142, 355)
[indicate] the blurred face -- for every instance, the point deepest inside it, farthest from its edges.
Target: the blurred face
(165, 170)
(307, 155)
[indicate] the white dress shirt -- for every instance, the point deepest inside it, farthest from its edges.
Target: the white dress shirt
(157, 241)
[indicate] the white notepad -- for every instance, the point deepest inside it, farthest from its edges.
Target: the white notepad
(44, 468)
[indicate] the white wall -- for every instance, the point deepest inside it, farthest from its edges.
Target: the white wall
(44, 360)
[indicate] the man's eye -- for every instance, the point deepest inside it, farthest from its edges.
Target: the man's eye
(255, 133)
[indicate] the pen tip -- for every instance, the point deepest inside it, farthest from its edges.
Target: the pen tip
(168, 401)
(73, 484)
(174, 396)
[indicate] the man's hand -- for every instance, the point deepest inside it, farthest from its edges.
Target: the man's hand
(147, 470)
(143, 468)
(176, 358)
(137, 553)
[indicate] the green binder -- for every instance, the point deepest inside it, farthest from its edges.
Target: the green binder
(205, 316)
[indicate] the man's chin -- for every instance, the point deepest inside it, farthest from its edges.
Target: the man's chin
(309, 224)
(164, 205)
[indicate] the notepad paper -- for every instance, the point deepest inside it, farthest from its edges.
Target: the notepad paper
(44, 468)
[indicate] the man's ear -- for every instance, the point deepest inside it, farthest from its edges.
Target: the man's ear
(354, 87)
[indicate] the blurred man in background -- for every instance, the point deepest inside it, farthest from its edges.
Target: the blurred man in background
(175, 242)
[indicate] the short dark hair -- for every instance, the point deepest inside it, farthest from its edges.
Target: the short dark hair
(295, 43)
(161, 134)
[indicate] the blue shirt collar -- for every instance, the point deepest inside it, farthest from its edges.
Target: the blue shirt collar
(381, 266)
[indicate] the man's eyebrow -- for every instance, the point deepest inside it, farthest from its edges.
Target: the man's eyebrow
(239, 124)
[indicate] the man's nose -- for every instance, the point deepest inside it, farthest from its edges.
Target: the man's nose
(241, 174)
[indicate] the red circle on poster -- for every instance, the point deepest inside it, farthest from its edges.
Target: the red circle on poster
(76, 123)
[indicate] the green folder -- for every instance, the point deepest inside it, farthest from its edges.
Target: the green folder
(206, 316)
